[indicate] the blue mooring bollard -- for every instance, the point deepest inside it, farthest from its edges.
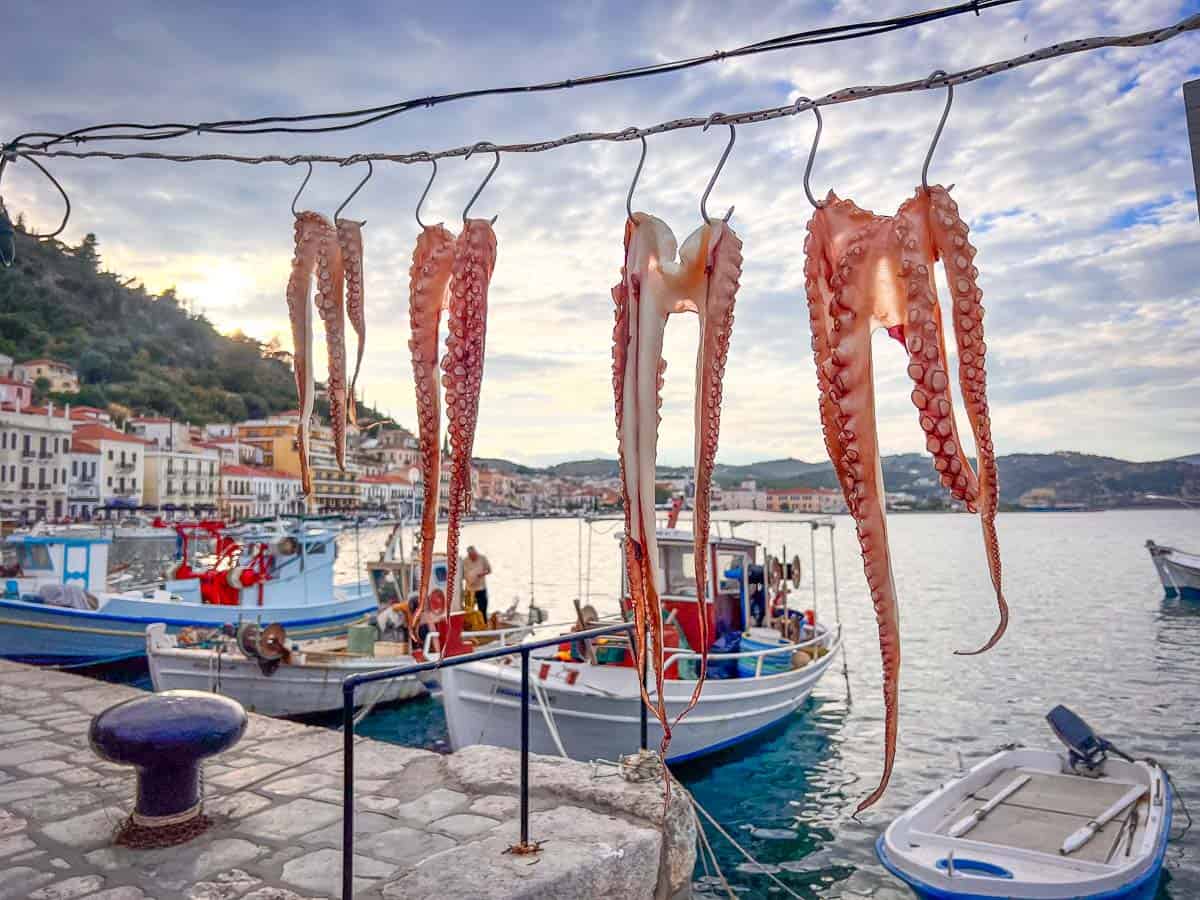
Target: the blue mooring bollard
(165, 737)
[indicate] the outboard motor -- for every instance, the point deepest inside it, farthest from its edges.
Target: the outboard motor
(1087, 750)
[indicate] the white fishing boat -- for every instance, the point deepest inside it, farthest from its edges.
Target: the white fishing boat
(56, 607)
(1178, 570)
(1039, 824)
(585, 700)
(266, 673)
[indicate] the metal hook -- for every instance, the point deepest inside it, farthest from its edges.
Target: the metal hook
(637, 173)
(7, 155)
(491, 172)
(425, 193)
(812, 153)
(720, 166)
(303, 184)
(942, 124)
(370, 171)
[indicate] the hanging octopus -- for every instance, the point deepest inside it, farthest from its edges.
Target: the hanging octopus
(317, 254)
(429, 280)
(349, 233)
(654, 285)
(462, 370)
(864, 271)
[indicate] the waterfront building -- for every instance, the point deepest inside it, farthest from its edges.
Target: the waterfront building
(390, 493)
(14, 393)
(177, 478)
(108, 469)
(34, 453)
(162, 432)
(252, 491)
(62, 378)
(398, 449)
(747, 495)
(83, 488)
(807, 500)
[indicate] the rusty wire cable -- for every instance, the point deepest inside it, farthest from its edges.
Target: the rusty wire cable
(844, 95)
(362, 117)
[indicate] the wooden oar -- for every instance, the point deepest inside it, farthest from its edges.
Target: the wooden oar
(963, 825)
(1081, 836)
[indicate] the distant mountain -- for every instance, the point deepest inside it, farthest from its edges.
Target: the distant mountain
(1063, 478)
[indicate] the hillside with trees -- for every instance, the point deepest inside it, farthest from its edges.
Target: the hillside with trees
(136, 353)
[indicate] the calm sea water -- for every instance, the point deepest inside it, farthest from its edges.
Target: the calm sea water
(1090, 628)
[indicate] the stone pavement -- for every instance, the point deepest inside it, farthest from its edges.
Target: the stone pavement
(426, 825)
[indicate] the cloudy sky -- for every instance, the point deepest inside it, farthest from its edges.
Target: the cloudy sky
(1073, 174)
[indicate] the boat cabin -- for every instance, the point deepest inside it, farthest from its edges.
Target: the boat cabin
(729, 583)
(38, 560)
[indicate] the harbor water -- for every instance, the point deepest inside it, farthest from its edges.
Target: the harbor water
(1090, 628)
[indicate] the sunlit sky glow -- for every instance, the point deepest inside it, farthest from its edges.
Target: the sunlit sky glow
(1073, 174)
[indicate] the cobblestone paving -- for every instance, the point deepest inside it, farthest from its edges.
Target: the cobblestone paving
(425, 824)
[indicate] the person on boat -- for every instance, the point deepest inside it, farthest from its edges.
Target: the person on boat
(476, 569)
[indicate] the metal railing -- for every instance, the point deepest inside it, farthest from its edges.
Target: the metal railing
(352, 682)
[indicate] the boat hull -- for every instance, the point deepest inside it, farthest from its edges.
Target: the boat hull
(40, 634)
(916, 847)
(1179, 572)
(599, 715)
(290, 690)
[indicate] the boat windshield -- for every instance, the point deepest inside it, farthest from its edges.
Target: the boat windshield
(679, 570)
(34, 557)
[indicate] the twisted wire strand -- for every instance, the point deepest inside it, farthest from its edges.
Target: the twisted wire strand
(844, 95)
(367, 116)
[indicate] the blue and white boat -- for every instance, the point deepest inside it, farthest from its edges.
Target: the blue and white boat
(55, 608)
(1038, 825)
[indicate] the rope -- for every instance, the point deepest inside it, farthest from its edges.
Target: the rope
(843, 95)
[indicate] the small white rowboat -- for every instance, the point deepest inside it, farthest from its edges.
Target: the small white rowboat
(310, 681)
(1178, 571)
(1022, 824)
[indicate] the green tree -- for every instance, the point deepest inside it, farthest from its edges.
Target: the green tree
(94, 366)
(87, 252)
(41, 389)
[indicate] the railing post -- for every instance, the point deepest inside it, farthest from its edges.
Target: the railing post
(642, 703)
(524, 748)
(348, 791)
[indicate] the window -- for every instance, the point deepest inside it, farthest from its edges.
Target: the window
(34, 557)
(74, 468)
(679, 570)
(110, 481)
(110, 455)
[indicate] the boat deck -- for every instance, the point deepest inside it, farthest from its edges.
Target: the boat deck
(1047, 808)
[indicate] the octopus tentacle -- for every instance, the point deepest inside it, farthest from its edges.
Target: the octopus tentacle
(330, 283)
(723, 269)
(429, 278)
(349, 234)
(462, 370)
(308, 230)
(953, 246)
(923, 335)
(852, 394)
(846, 250)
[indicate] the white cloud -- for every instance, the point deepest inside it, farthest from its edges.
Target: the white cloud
(1074, 175)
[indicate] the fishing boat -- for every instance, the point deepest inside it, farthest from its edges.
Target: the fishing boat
(1039, 824)
(267, 673)
(55, 606)
(587, 698)
(1178, 570)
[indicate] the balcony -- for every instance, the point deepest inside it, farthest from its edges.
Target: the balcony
(126, 468)
(45, 454)
(28, 453)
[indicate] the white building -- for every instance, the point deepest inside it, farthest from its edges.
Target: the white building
(165, 433)
(119, 476)
(182, 478)
(34, 453)
(746, 495)
(390, 493)
(251, 491)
